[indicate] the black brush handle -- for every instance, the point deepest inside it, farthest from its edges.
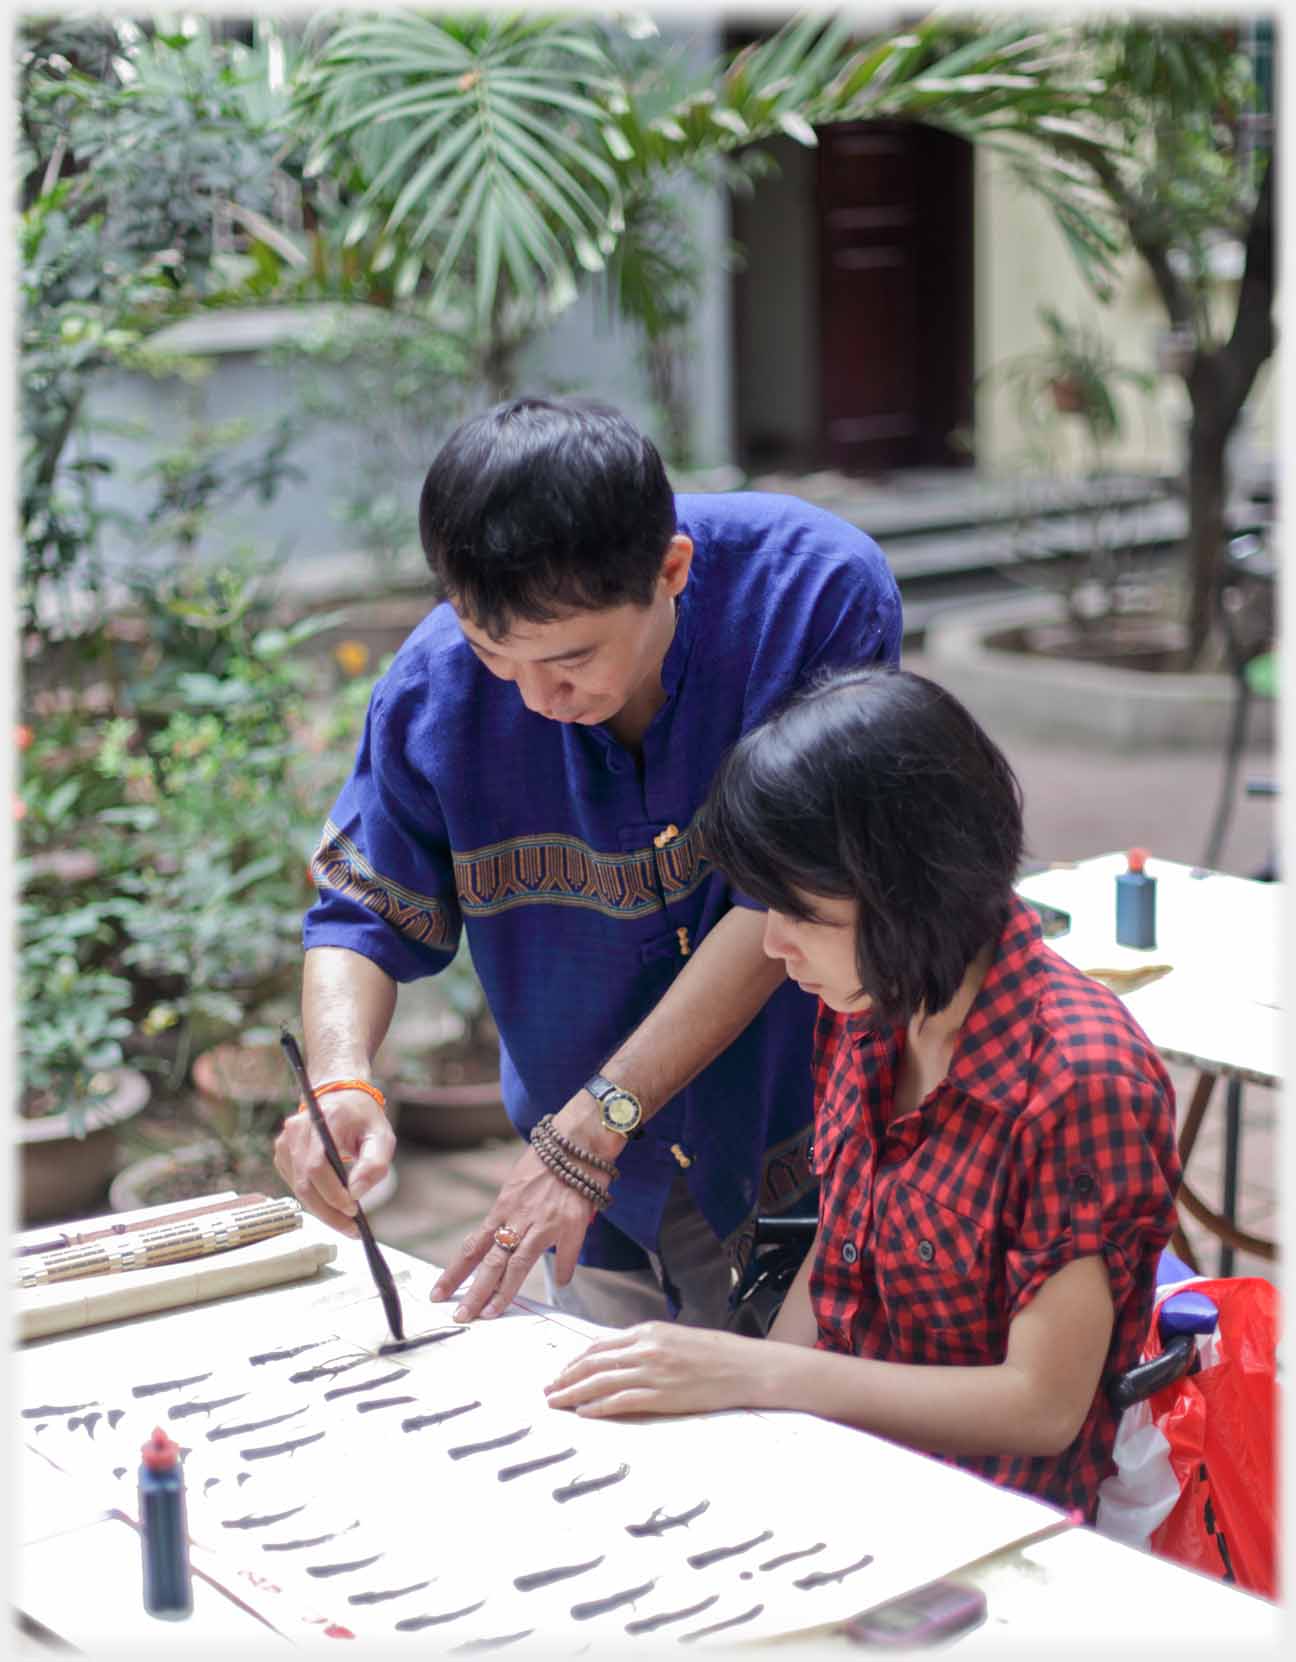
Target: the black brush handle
(378, 1265)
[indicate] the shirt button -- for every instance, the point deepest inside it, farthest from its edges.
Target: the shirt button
(926, 1251)
(1082, 1184)
(850, 1252)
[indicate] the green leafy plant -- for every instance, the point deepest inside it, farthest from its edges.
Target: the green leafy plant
(73, 1012)
(1075, 373)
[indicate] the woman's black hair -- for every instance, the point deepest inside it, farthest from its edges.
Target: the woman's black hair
(878, 786)
(540, 506)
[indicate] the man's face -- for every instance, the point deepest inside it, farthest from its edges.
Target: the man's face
(588, 666)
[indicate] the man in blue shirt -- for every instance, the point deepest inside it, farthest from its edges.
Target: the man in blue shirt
(531, 769)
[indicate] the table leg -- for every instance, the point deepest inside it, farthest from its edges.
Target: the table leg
(1232, 1151)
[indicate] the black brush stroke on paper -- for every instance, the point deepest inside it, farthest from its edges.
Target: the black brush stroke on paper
(114, 1415)
(342, 1569)
(169, 1385)
(272, 1449)
(650, 1624)
(182, 1410)
(790, 1557)
(413, 1624)
(210, 1483)
(327, 1370)
(491, 1644)
(89, 1421)
(382, 1402)
(546, 1578)
(719, 1627)
(821, 1578)
(312, 1541)
(365, 1385)
(51, 1411)
(120, 1471)
(506, 1474)
(658, 1524)
(290, 1352)
(395, 1347)
(701, 1560)
(252, 1521)
(614, 1601)
(587, 1485)
(465, 1449)
(243, 1477)
(219, 1431)
(420, 1420)
(389, 1593)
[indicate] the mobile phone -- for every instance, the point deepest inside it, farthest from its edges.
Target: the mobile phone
(940, 1610)
(1053, 920)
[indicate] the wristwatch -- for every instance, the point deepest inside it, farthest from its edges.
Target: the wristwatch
(621, 1111)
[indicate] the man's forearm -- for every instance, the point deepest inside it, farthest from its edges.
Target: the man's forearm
(717, 993)
(347, 1005)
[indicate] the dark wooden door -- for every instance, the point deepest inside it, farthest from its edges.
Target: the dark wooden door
(895, 261)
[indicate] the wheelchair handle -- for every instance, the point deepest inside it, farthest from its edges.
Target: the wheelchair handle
(1138, 1383)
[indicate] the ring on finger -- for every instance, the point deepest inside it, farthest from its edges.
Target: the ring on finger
(507, 1238)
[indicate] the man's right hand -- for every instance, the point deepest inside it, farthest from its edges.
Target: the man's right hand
(365, 1140)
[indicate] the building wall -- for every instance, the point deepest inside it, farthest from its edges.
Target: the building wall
(1022, 263)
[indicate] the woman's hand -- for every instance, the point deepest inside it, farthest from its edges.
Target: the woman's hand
(661, 1368)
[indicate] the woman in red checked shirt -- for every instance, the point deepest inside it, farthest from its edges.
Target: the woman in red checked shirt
(994, 1133)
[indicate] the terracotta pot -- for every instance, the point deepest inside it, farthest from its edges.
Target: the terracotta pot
(63, 1174)
(451, 1116)
(233, 1077)
(1068, 395)
(193, 1170)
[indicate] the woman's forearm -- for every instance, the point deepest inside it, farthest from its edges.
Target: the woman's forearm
(940, 1409)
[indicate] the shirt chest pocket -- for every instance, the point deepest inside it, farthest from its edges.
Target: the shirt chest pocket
(936, 1278)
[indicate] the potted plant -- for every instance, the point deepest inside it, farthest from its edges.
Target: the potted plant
(449, 1092)
(75, 1090)
(1074, 373)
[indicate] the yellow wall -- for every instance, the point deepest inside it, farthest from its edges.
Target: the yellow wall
(1022, 263)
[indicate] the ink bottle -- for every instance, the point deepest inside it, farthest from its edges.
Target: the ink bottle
(164, 1530)
(1136, 903)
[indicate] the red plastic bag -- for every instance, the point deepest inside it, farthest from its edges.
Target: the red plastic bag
(1221, 1424)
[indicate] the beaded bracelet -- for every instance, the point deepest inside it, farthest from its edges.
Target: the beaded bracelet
(574, 1149)
(568, 1174)
(346, 1085)
(548, 1152)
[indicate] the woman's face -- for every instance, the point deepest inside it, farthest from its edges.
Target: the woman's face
(819, 950)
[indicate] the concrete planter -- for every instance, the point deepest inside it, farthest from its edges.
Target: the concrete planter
(62, 1174)
(194, 1170)
(1039, 697)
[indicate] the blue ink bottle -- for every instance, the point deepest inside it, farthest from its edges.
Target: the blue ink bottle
(1136, 903)
(164, 1530)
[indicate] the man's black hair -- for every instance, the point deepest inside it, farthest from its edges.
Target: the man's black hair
(878, 786)
(540, 506)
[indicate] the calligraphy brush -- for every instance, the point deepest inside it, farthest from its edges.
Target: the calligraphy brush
(378, 1265)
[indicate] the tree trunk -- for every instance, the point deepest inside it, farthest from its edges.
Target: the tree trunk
(1207, 490)
(1218, 387)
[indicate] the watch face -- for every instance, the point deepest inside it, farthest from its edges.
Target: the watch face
(621, 1111)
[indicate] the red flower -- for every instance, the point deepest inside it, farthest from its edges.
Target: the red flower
(19, 808)
(23, 737)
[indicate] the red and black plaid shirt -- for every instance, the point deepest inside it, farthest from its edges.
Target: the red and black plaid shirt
(1052, 1137)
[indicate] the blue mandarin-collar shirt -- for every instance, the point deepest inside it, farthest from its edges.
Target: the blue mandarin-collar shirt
(574, 869)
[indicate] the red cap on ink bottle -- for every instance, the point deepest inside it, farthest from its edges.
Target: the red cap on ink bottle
(1136, 903)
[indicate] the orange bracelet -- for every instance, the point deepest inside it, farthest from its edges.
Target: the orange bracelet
(347, 1085)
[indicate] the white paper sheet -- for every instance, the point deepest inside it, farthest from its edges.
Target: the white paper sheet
(418, 1536)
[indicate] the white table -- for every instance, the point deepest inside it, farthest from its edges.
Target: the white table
(1218, 1009)
(1035, 1585)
